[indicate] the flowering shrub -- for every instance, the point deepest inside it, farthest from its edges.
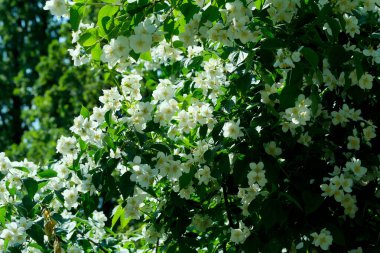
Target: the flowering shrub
(232, 126)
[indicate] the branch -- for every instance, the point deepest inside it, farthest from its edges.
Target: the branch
(95, 243)
(227, 205)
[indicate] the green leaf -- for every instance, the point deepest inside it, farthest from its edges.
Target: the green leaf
(291, 199)
(259, 4)
(211, 14)
(105, 16)
(315, 101)
(126, 186)
(3, 213)
(161, 147)
(188, 10)
(223, 164)
(24, 169)
(337, 234)
(84, 112)
(292, 87)
(335, 26)
(243, 83)
(194, 62)
(168, 28)
(81, 221)
(273, 43)
(89, 38)
(76, 13)
(37, 234)
(375, 35)
(358, 62)
(96, 52)
(311, 56)
(119, 212)
(272, 213)
(146, 56)
(185, 180)
(31, 186)
(124, 221)
(28, 202)
(107, 139)
(203, 131)
(108, 118)
(312, 201)
(47, 173)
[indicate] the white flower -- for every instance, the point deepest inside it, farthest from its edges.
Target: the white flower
(352, 26)
(15, 233)
(71, 197)
(369, 132)
(204, 175)
(5, 164)
(116, 51)
(140, 43)
(323, 239)
(67, 146)
(74, 249)
(232, 130)
(356, 168)
(353, 143)
(272, 149)
(201, 222)
(257, 174)
(56, 7)
(164, 90)
(240, 234)
(365, 81)
(99, 219)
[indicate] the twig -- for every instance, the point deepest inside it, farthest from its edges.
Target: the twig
(229, 216)
(157, 245)
(95, 243)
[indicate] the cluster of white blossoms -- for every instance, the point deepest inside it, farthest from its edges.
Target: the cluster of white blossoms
(132, 209)
(298, 115)
(118, 50)
(374, 54)
(351, 26)
(14, 233)
(5, 164)
(323, 239)
(340, 186)
(204, 175)
(286, 59)
(213, 79)
(198, 113)
(269, 90)
(68, 147)
(344, 115)
(201, 222)
(71, 197)
(239, 235)
(186, 105)
(282, 11)
(236, 27)
(143, 174)
(232, 130)
(165, 54)
(257, 174)
(57, 7)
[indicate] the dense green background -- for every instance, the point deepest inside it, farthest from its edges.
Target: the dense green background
(41, 90)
